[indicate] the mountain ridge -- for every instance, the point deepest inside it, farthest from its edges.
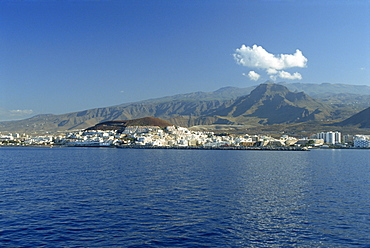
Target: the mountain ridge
(199, 108)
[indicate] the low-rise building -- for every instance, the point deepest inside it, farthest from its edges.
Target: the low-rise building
(361, 141)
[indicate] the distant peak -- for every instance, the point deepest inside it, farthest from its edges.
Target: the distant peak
(271, 87)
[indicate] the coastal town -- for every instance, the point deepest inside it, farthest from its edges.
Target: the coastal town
(181, 137)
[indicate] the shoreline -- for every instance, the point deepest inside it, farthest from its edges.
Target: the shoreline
(249, 148)
(216, 148)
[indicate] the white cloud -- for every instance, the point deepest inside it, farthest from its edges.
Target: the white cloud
(285, 75)
(258, 57)
(253, 75)
(271, 71)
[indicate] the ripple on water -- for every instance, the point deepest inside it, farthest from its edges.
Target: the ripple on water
(71, 197)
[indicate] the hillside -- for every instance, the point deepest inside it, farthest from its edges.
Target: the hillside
(275, 104)
(361, 119)
(349, 98)
(181, 112)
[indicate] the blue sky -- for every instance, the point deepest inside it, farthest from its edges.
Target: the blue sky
(65, 56)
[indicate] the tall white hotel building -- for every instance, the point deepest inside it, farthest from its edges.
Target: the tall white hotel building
(330, 137)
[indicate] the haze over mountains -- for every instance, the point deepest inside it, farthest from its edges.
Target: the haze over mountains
(265, 104)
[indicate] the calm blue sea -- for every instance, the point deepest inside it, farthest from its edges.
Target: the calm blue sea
(106, 197)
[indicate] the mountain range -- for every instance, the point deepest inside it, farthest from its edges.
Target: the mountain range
(260, 105)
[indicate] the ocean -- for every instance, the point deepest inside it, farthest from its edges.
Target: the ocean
(107, 197)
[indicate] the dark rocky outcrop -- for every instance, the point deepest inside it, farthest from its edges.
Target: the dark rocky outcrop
(121, 125)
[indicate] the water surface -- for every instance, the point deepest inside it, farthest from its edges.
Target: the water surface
(101, 197)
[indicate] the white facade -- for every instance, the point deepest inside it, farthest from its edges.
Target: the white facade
(330, 137)
(361, 141)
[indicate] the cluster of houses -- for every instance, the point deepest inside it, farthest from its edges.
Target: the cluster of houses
(172, 136)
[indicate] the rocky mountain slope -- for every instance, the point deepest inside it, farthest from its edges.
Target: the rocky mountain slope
(275, 104)
(179, 112)
(361, 119)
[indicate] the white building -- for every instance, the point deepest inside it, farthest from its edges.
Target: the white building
(361, 141)
(330, 137)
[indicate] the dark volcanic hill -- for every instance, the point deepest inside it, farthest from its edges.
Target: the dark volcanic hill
(361, 119)
(121, 125)
(274, 104)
